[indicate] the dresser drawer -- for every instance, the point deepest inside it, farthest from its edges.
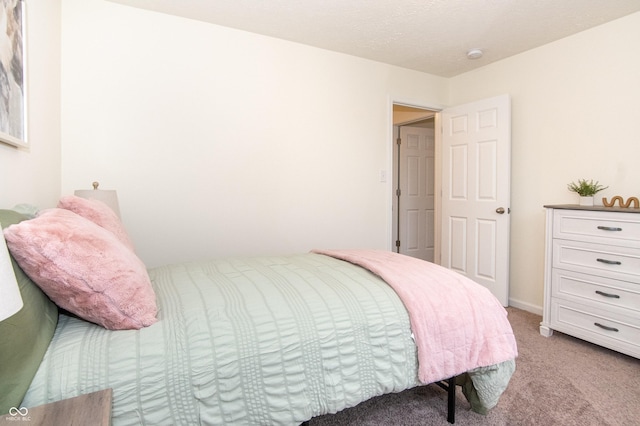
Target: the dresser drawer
(603, 260)
(596, 291)
(617, 332)
(613, 228)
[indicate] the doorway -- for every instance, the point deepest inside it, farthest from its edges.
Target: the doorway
(472, 178)
(413, 182)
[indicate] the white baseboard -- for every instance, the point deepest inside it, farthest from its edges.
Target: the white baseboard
(534, 309)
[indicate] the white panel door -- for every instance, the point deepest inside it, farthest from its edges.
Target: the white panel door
(476, 181)
(416, 183)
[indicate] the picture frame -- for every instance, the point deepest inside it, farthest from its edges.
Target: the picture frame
(13, 70)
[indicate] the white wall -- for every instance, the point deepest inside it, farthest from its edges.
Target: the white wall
(575, 112)
(32, 175)
(222, 142)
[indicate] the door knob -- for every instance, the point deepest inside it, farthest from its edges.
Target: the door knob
(500, 210)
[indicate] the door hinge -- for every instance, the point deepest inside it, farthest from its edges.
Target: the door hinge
(398, 141)
(397, 243)
(398, 192)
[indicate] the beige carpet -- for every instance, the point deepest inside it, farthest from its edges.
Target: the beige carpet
(559, 380)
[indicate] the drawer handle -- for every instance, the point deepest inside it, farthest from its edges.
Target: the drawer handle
(609, 262)
(602, 293)
(609, 228)
(604, 327)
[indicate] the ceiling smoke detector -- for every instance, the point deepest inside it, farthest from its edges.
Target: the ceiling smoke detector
(474, 54)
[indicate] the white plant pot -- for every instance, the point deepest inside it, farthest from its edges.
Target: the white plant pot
(586, 201)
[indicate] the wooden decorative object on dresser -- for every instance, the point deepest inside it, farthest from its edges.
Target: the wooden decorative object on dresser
(592, 275)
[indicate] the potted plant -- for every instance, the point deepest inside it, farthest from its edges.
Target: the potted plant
(586, 189)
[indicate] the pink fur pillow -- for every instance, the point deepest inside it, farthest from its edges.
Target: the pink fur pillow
(99, 213)
(84, 269)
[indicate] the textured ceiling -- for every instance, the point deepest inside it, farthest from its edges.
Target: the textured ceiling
(432, 36)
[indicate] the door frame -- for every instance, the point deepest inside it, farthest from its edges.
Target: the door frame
(391, 138)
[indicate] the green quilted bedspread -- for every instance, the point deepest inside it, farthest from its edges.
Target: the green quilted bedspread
(258, 341)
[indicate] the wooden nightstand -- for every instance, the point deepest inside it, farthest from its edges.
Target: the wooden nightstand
(90, 409)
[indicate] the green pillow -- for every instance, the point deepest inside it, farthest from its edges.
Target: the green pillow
(25, 336)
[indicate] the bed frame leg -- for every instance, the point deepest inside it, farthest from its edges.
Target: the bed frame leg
(451, 400)
(450, 386)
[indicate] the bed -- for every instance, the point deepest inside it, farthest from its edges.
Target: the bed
(273, 340)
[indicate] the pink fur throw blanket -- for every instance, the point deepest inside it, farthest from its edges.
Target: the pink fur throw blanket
(458, 324)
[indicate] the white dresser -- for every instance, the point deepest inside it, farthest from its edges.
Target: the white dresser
(592, 275)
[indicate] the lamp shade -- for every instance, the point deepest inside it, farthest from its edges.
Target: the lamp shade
(10, 298)
(107, 196)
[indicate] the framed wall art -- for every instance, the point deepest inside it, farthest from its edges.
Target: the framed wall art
(13, 91)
